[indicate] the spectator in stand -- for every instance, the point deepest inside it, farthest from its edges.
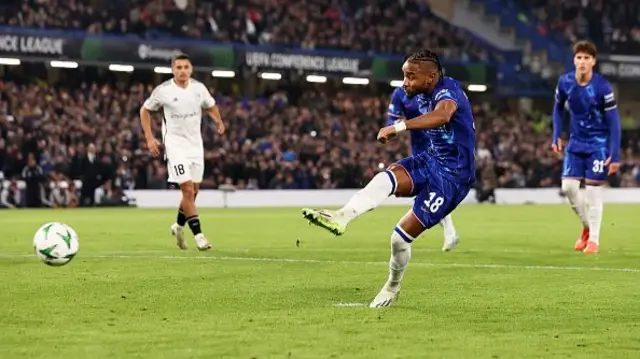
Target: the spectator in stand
(10, 196)
(33, 176)
(91, 176)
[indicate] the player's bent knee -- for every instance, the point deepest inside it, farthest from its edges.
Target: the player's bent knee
(403, 182)
(409, 227)
(400, 236)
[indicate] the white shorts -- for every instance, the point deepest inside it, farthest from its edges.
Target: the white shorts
(184, 169)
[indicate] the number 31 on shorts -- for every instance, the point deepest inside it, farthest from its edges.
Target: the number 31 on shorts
(598, 166)
(433, 203)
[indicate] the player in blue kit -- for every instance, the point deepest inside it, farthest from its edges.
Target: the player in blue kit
(439, 176)
(593, 151)
(405, 107)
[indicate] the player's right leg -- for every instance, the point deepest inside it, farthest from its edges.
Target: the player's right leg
(574, 168)
(177, 229)
(436, 198)
(394, 180)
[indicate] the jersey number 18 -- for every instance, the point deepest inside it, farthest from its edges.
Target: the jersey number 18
(179, 169)
(432, 205)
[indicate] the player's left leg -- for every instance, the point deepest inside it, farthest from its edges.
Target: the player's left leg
(177, 228)
(594, 215)
(595, 178)
(197, 173)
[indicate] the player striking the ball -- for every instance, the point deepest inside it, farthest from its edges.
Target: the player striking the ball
(405, 107)
(182, 100)
(440, 175)
(593, 151)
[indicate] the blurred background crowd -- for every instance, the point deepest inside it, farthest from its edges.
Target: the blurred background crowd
(289, 136)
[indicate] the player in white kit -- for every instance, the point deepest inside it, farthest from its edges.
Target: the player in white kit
(182, 100)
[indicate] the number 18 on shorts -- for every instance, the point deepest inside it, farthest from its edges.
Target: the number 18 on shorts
(182, 171)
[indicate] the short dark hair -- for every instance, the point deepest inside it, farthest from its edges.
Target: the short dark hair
(181, 56)
(429, 56)
(585, 46)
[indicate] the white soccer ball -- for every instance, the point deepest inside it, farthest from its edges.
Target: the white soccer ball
(56, 244)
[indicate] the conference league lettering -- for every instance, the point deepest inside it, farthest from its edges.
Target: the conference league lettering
(302, 62)
(620, 70)
(32, 44)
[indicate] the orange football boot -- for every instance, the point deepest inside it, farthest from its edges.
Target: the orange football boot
(581, 243)
(592, 247)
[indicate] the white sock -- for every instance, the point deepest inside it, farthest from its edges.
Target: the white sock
(571, 189)
(400, 256)
(594, 197)
(447, 225)
(371, 196)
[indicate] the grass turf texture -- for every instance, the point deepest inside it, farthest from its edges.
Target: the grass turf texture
(514, 288)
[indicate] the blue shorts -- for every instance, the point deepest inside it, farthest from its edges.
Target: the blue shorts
(436, 195)
(585, 165)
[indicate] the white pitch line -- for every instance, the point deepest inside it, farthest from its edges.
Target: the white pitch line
(350, 305)
(321, 261)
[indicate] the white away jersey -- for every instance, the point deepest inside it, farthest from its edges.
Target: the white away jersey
(182, 115)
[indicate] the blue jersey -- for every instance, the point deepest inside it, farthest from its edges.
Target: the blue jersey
(443, 169)
(595, 123)
(453, 144)
(402, 106)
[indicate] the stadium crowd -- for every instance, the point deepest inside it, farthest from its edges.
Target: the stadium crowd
(613, 25)
(357, 25)
(92, 133)
(316, 139)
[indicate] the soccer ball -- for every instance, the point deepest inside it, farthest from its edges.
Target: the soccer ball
(56, 244)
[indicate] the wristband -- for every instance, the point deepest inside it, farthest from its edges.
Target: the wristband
(400, 126)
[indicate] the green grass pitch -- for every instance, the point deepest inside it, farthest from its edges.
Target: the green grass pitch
(514, 288)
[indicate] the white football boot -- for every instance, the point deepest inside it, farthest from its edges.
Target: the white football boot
(202, 243)
(178, 232)
(450, 242)
(385, 298)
